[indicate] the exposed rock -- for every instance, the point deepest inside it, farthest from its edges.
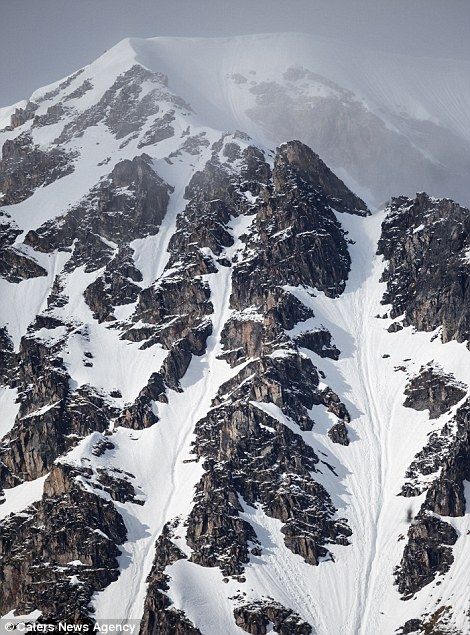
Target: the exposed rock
(56, 570)
(447, 454)
(22, 115)
(426, 554)
(425, 242)
(255, 618)
(160, 617)
(118, 285)
(433, 390)
(24, 167)
(51, 419)
(125, 107)
(131, 203)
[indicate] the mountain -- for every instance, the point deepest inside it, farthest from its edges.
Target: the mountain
(234, 394)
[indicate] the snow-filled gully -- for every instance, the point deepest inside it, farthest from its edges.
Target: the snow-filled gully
(359, 597)
(165, 450)
(354, 595)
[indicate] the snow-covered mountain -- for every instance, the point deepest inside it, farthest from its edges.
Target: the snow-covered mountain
(233, 399)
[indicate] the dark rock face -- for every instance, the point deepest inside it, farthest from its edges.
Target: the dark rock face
(24, 167)
(435, 391)
(426, 554)
(52, 417)
(239, 438)
(447, 451)
(118, 285)
(311, 169)
(22, 115)
(425, 242)
(250, 440)
(131, 203)
(15, 265)
(57, 570)
(255, 617)
(439, 622)
(428, 550)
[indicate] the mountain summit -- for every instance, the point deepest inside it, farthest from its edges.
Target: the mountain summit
(234, 395)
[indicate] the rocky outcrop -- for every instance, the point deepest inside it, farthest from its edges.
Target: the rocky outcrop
(425, 242)
(446, 454)
(256, 617)
(426, 554)
(135, 95)
(248, 431)
(15, 264)
(52, 417)
(433, 390)
(56, 570)
(24, 167)
(117, 286)
(131, 203)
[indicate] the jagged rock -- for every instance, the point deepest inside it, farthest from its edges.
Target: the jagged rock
(426, 553)
(24, 167)
(76, 549)
(429, 289)
(318, 341)
(15, 266)
(123, 108)
(115, 287)
(245, 441)
(131, 203)
(311, 169)
(433, 390)
(447, 454)
(22, 115)
(51, 418)
(339, 433)
(62, 86)
(160, 618)
(255, 618)
(411, 626)
(7, 356)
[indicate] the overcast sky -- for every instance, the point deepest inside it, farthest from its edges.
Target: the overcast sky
(43, 40)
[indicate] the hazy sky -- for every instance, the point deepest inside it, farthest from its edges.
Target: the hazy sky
(44, 40)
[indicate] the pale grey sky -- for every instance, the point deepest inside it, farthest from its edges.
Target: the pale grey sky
(44, 40)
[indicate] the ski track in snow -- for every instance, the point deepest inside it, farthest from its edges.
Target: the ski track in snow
(174, 432)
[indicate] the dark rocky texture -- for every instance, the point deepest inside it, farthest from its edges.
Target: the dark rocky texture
(433, 390)
(239, 439)
(425, 242)
(426, 554)
(24, 167)
(131, 203)
(118, 285)
(15, 264)
(447, 454)
(255, 618)
(124, 109)
(57, 569)
(52, 417)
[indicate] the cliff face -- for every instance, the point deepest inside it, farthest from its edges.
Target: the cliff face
(219, 403)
